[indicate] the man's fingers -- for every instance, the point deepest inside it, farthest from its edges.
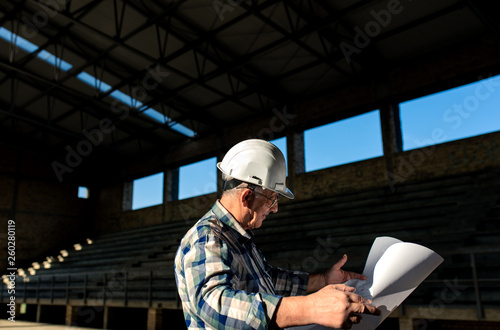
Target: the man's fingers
(341, 262)
(343, 287)
(355, 276)
(372, 310)
(355, 318)
(351, 320)
(356, 298)
(362, 308)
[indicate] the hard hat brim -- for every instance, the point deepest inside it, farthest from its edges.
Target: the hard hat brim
(288, 194)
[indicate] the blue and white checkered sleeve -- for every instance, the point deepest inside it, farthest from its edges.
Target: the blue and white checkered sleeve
(288, 282)
(212, 277)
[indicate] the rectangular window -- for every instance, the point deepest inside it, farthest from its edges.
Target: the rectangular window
(450, 115)
(83, 192)
(198, 178)
(281, 144)
(345, 141)
(147, 191)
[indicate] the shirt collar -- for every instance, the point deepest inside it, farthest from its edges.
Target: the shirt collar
(227, 219)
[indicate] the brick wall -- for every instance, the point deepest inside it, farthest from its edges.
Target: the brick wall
(46, 212)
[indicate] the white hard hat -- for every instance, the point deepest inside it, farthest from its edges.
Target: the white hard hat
(257, 162)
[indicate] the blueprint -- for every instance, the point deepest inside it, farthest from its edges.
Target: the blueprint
(393, 270)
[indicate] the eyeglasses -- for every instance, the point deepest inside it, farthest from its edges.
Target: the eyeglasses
(273, 201)
(252, 188)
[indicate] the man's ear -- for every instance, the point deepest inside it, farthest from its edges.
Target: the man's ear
(246, 197)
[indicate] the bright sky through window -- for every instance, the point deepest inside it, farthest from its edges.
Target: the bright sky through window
(94, 82)
(457, 113)
(198, 178)
(83, 192)
(147, 191)
(281, 144)
(346, 141)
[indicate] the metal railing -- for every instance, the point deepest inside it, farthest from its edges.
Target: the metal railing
(97, 287)
(123, 285)
(473, 281)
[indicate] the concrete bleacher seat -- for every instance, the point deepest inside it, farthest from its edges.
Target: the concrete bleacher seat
(116, 268)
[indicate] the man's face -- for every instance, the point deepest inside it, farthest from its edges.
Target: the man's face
(261, 207)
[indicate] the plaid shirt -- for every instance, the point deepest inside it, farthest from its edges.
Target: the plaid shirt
(224, 281)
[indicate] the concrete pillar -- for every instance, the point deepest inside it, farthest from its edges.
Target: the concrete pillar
(170, 190)
(391, 129)
(391, 137)
(128, 189)
(155, 318)
(71, 315)
(171, 185)
(295, 155)
(220, 182)
(221, 150)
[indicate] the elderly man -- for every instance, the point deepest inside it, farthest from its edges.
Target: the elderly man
(224, 281)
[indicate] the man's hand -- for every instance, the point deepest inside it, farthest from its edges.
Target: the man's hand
(336, 275)
(335, 306)
(338, 306)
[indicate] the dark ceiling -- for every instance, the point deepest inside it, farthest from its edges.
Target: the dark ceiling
(136, 76)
